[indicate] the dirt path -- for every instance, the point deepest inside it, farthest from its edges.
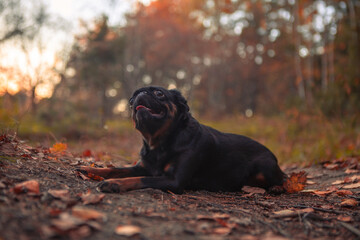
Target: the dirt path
(68, 207)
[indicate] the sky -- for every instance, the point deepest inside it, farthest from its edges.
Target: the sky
(71, 11)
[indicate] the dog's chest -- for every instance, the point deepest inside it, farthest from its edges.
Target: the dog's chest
(158, 163)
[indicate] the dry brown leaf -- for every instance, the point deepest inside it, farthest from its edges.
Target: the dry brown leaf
(87, 214)
(291, 212)
(296, 182)
(253, 190)
(62, 194)
(337, 182)
(309, 182)
(66, 222)
(349, 203)
(282, 213)
(349, 171)
(344, 218)
(94, 177)
(355, 178)
(354, 185)
(127, 230)
(344, 192)
(31, 186)
(331, 166)
(222, 230)
(213, 217)
(323, 193)
(89, 198)
(221, 215)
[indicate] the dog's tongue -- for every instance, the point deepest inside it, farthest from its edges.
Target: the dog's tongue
(141, 106)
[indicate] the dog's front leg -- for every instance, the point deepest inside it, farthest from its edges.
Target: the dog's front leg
(132, 183)
(135, 171)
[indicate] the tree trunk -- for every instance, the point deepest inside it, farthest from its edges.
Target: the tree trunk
(33, 106)
(297, 39)
(324, 68)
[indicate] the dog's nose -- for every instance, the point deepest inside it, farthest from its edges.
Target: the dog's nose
(142, 93)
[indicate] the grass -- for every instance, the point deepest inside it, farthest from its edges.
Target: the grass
(301, 139)
(294, 138)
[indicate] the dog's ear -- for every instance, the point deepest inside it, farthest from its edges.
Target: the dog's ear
(180, 101)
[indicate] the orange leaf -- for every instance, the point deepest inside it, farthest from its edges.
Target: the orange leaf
(89, 198)
(87, 153)
(31, 186)
(127, 230)
(296, 182)
(94, 177)
(58, 148)
(349, 203)
(344, 218)
(344, 192)
(87, 214)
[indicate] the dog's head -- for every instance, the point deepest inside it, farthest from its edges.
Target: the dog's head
(156, 110)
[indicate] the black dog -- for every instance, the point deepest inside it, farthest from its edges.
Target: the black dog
(180, 153)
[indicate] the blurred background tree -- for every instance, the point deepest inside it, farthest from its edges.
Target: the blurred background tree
(228, 57)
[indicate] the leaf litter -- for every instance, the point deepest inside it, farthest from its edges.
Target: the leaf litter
(41, 197)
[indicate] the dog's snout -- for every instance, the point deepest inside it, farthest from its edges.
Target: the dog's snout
(142, 93)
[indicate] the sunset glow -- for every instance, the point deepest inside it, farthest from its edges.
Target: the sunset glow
(19, 68)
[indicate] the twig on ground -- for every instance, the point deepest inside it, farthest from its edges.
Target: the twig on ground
(351, 228)
(316, 208)
(275, 228)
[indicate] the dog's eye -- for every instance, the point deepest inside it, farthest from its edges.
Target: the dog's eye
(131, 101)
(158, 93)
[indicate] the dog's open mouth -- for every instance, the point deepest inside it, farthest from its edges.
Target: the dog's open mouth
(151, 111)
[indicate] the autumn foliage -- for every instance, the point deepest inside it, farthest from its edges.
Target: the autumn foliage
(296, 182)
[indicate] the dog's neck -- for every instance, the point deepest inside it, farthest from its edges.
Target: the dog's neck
(155, 139)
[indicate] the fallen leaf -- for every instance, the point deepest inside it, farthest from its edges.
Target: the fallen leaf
(291, 212)
(296, 182)
(344, 218)
(355, 178)
(253, 190)
(213, 217)
(222, 230)
(349, 171)
(246, 221)
(87, 214)
(82, 175)
(354, 185)
(87, 153)
(66, 222)
(326, 206)
(221, 215)
(89, 176)
(62, 194)
(89, 198)
(344, 192)
(323, 193)
(58, 148)
(349, 203)
(94, 177)
(337, 182)
(331, 166)
(31, 186)
(127, 230)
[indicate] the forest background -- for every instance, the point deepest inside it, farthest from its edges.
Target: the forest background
(284, 72)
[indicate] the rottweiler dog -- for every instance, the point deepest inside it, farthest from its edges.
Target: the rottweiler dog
(179, 153)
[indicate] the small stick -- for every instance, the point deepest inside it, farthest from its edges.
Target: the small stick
(351, 228)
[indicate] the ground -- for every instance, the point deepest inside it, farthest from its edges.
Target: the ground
(41, 197)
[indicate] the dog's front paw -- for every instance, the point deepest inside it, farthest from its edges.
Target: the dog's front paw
(109, 187)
